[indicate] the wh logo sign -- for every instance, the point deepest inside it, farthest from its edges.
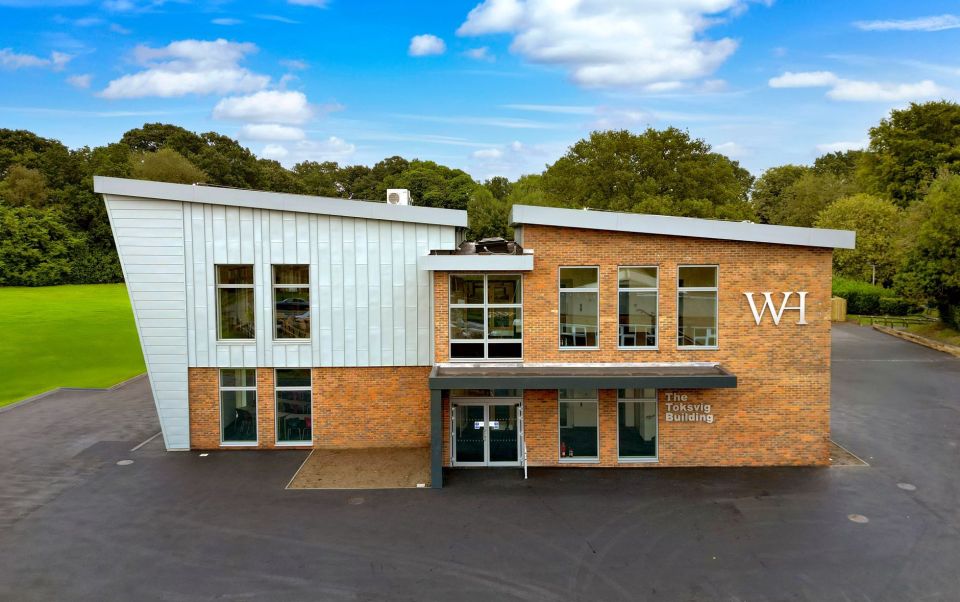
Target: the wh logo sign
(775, 313)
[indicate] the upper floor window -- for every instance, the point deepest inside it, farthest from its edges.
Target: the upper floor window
(579, 307)
(697, 306)
(291, 301)
(235, 313)
(638, 307)
(486, 316)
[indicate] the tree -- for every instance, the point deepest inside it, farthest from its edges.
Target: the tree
(658, 171)
(434, 185)
(487, 215)
(802, 201)
(166, 165)
(909, 148)
(499, 187)
(35, 247)
(877, 224)
(767, 194)
(24, 187)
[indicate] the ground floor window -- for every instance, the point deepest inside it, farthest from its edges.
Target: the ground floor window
(293, 398)
(238, 405)
(579, 421)
(636, 424)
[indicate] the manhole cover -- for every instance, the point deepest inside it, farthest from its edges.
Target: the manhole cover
(907, 486)
(124, 462)
(355, 501)
(858, 518)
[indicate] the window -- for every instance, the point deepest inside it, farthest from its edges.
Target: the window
(291, 301)
(486, 316)
(636, 425)
(294, 413)
(579, 307)
(638, 307)
(235, 302)
(579, 420)
(238, 405)
(697, 306)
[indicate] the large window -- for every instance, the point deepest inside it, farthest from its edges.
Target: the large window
(294, 414)
(238, 405)
(638, 307)
(579, 420)
(697, 306)
(637, 425)
(579, 307)
(486, 316)
(291, 301)
(235, 312)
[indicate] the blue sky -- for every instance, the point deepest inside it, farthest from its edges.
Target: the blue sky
(500, 87)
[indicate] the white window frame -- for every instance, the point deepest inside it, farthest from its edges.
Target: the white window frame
(273, 301)
(595, 400)
(656, 455)
(655, 290)
(699, 289)
(561, 290)
(277, 389)
(485, 306)
(256, 418)
(219, 287)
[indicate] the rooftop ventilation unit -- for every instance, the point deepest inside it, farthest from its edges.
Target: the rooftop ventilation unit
(398, 196)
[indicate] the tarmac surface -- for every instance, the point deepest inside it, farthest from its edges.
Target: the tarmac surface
(75, 525)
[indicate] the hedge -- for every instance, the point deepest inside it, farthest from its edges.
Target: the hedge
(867, 299)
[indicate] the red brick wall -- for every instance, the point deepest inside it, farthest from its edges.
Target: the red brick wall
(779, 412)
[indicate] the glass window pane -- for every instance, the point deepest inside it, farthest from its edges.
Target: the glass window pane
(578, 430)
(466, 323)
(466, 289)
(503, 289)
(578, 319)
(637, 394)
(238, 377)
(578, 278)
(293, 377)
(292, 312)
(466, 351)
(504, 350)
(637, 429)
(638, 277)
(504, 323)
(577, 394)
(294, 422)
(697, 319)
(697, 276)
(486, 392)
(291, 274)
(235, 274)
(638, 319)
(236, 313)
(238, 415)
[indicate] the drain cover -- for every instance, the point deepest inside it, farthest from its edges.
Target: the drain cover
(355, 501)
(907, 486)
(858, 518)
(124, 462)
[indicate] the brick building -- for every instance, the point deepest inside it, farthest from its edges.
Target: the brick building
(596, 339)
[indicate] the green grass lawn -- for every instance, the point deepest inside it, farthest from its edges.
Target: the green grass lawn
(65, 336)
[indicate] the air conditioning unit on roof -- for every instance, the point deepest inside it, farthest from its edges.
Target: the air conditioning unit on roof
(398, 196)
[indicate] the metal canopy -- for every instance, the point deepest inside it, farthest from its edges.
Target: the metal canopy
(680, 375)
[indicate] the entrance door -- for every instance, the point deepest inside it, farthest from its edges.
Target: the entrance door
(486, 434)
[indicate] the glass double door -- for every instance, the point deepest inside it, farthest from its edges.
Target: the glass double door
(486, 434)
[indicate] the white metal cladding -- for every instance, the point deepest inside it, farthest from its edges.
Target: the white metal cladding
(370, 305)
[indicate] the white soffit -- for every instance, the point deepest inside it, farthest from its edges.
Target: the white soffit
(681, 226)
(279, 201)
(476, 263)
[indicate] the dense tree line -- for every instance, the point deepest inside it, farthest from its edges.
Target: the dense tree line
(901, 194)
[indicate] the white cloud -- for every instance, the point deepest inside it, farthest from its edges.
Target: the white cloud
(277, 152)
(512, 159)
(426, 45)
(12, 60)
(839, 147)
(270, 131)
(331, 149)
(857, 90)
(226, 21)
(937, 23)
(80, 81)
(487, 153)
(294, 64)
(267, 106)
(188, 67)
(608, 43)
(480, 54)
(117, 28)
(278, 19)
(732, 150)
(561, 109)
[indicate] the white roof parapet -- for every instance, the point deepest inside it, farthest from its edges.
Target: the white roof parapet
(642, 223)
(279, 201)
(476, 263)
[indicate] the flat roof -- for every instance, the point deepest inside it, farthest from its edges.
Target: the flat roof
(279, 201)
(643, 223)
(672, 375)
